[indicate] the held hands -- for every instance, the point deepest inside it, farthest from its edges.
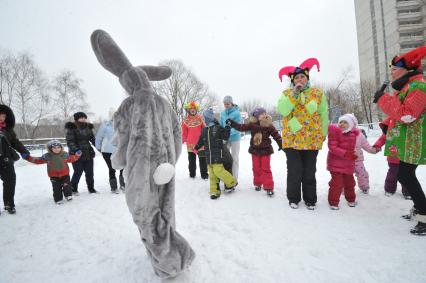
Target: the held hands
(378, 149)
(229, 122)
(350, 155)
(25, 156)
(195, 151)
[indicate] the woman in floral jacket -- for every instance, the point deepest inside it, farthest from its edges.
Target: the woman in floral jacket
(305, 123)
(405, 138)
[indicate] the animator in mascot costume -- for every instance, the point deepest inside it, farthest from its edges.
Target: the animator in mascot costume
(148, 140)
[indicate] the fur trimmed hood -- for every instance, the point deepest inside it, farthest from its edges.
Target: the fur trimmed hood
(10, 117)
(73, 125)
(266, 122)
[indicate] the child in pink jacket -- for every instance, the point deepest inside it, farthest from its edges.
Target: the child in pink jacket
(391, 180)
(341, 161)
(360, 171)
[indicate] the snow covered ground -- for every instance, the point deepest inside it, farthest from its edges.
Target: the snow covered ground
(242, 237)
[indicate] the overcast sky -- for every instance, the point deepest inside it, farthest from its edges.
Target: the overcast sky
(237, 47)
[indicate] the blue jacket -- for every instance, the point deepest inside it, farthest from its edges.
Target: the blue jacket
(232, 113)
(104, 137)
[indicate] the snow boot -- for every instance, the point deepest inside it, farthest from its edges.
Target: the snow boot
(352, 204)
(113, 185)
(310, 206)
(419, 229)
(293, 205)
(269, 193)
(59, 202)
(388, 194)
(334, 207)
(68, 198)
(10, 209)
(229, 190)
(410, 215)
(258, 188)
(215, 196)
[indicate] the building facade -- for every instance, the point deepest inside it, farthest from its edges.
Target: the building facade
(386, 28)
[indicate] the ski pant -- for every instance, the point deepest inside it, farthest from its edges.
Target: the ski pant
(61, 187)
(111, 171)
(216, 172)
(301, 168)
(341, 182)
(407, 177)
(8, 176)
(234, 148)
(391, 180)
(262, 174)
(362, 176)
(192, 164)
(80, 166)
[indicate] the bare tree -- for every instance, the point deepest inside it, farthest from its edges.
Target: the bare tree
(366, 93)
(249, 105)
(68, 97)
(30, 93)
(182, 87)
(8, 73)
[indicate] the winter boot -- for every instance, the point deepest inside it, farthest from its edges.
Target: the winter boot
(334, 207)
(205, 176)
(388, 194)
(122, 184)
(215, 196)
(310, 206)
(294, 205)
(270, 193)
(229, 190)
(419, 229)
(59, 202)
(258, 188)
(410, 215)
(352, 204)
(113, 185)
(407, 197)
(10, 209)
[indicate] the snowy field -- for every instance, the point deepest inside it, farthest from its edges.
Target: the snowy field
(242, 237)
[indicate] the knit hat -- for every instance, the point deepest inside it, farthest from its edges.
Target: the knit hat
(53, 143)
(258, 111)
(348, 119)
(228, 99)
(209, 116)
(79, 115)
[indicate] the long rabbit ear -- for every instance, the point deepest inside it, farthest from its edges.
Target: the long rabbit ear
(108, 53)
(157, 73)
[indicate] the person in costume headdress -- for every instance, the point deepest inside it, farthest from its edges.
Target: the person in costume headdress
(406, 133)
(305, 123)
(192, 126)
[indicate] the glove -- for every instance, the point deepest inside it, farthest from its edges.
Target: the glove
(350, 155)
(280, 146)
(229, 122)
(25, 156)
(377, 95)
(78, 152)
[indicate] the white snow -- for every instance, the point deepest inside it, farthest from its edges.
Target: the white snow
(241, 237)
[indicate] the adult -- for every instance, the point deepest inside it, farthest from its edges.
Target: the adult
(192, 126)
(79, 136)
(232, 111)
(103, 143)
(8, 144)
(305, 123)
(405, 138)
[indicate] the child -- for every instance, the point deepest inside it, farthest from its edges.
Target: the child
(260, 125)
(192, 126)
(341, 161)
(212, 138)
(362, 144)
(391, 180)
(57, 169)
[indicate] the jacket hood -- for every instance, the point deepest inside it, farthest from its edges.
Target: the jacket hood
(73, 125)
(10, 117)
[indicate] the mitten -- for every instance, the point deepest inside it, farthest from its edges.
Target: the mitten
(25, 156)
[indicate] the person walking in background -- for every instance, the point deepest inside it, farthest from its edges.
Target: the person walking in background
(57, 169)
(391, 180)
(232, 111)
(341, 161)
(261, 128)
(305, 121)
(192, 126)
(405, 138)
(79, 136)
(8, 144)
(103, 143)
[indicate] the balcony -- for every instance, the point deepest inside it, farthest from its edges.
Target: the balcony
(410, 17)
(407, 5)
(411, 39)
(411, 27)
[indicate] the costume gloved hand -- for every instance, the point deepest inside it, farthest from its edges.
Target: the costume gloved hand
(380, 92)
(25, 156)
(78, 152)
(350, 155)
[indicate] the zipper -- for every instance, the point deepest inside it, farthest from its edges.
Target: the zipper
(208, 141)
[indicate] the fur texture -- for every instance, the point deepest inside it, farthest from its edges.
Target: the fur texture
(147, 134)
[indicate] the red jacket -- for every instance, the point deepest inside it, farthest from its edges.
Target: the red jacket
(56, 163)
(191, 130)
(338, 144)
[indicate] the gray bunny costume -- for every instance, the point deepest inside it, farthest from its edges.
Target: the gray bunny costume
(148, 140)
